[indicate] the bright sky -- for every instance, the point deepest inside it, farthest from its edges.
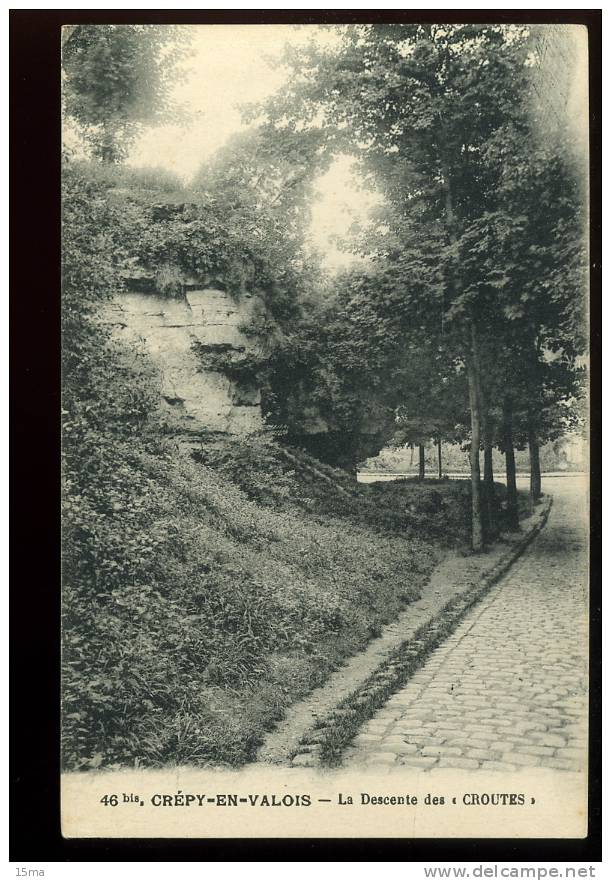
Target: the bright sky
(232, 65)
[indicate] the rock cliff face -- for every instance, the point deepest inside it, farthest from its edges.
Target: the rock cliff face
(201, 353)
(208, 370)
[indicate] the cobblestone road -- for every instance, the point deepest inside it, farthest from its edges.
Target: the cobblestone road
(508, 689)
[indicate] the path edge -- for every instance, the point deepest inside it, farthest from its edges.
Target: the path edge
(323, 743)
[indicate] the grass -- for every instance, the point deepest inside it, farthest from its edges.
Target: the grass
(202, 596)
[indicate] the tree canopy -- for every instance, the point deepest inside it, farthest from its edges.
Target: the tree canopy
(478, 246)
(118, 78)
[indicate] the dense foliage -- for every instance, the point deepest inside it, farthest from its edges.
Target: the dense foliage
(107, 387)
(195, 608)
(193, 614)
(118, 78)
(201, 599)
(478, 249)
(204, 593)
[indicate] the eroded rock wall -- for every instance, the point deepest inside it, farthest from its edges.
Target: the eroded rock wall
(201, 399)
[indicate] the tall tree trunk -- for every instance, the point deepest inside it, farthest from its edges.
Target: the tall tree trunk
(420, 461)
(535, 466)
(489, 496)
(439, 468)
(473, 376)
(477, 533)
(488, 470)
(513, 519)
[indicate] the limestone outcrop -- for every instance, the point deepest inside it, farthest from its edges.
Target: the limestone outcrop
(201, 353)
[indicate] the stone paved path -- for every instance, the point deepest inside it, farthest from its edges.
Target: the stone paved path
(508, 689)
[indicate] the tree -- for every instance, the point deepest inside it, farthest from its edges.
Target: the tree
(419, 104)
(118, 78)
(480, 222)
(432, 400)
(261, 184)
(274, 170)
(325, 386)
(535, 235)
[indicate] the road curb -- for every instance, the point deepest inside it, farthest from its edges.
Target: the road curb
(323, 744)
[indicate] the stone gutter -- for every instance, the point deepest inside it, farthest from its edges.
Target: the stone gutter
(317, 729)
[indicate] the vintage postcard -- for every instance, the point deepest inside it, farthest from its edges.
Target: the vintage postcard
(325, 430)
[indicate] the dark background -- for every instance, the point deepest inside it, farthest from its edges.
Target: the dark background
(35, 446)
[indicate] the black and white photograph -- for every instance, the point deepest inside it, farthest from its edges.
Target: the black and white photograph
(325, 342)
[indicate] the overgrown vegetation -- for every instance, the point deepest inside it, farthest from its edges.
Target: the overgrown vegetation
(206, 590)
(198, 599)
(474, 295)
(193, 613)
(272, 475)
(202, 599)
